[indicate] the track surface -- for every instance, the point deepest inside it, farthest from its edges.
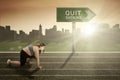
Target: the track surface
(64, 66)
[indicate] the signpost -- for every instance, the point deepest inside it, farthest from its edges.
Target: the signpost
(74, 15)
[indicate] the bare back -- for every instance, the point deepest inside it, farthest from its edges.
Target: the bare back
(35, 49)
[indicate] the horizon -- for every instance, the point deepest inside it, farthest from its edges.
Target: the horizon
(43, 30)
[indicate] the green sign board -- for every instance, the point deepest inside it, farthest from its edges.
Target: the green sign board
(74, 14)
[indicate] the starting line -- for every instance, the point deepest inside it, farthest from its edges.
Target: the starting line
(65, 75)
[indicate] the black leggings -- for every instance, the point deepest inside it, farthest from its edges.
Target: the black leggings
(23, 57)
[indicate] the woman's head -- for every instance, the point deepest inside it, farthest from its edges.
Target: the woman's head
(41, 47)
(42, 44)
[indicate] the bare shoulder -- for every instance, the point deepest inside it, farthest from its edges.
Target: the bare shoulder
(35, 48)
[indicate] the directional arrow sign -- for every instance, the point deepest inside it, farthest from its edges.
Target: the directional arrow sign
(74, 14)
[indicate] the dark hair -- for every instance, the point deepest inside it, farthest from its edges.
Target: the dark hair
(41, 44)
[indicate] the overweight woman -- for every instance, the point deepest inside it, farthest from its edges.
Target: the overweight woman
(27, 53)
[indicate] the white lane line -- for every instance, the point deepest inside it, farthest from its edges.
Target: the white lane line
(73, 62)
(68, 69)
(64, 75)
(67, 52)
(82, 62)
(80, 56)
(76, 57)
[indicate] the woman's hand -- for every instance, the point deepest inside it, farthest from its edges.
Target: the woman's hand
(39, 67)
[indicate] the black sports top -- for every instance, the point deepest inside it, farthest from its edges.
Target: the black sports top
(31, 51)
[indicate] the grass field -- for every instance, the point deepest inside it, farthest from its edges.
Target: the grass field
(97, 44)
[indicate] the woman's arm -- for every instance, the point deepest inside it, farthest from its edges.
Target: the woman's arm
(37, 59)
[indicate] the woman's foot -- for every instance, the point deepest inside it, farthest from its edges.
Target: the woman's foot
(8, 62)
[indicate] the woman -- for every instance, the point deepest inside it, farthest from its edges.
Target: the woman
(29, 52)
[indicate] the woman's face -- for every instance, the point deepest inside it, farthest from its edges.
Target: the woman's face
(42, 48)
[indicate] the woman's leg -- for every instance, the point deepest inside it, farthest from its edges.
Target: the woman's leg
(14, 63)
(18, 63)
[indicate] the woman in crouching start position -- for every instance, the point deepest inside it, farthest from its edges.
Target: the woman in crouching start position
(27, 53)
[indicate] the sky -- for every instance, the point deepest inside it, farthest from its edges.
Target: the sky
(29, 14)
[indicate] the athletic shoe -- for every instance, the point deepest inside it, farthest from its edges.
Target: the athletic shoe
(8, 61)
